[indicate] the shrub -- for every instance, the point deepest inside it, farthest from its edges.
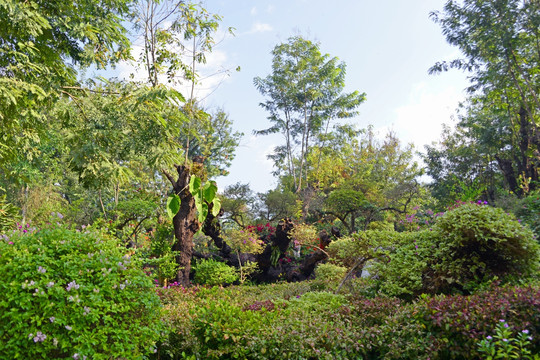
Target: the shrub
(73, 294)
(504, 344)
(458, 323)
(366, 245)
(469, 245)
(330, 272)
(319, 301)
(212, 272)
(478, 243)
(160, 255)
(401, 273)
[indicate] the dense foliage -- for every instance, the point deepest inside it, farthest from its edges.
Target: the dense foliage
(351, 255)
(295, 321)
(73, 294)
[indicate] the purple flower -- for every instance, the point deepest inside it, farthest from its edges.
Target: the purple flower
(525, 331)
(506, 325)
(502, 320)
(72, 285)
(52, 318)
(489, 337)
(40, 337)
(41, 270)
(68, 327)
(505, 340)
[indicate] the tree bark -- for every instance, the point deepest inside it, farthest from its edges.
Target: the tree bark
(185, 223)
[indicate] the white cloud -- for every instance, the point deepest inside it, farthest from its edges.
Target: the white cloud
(270, 9)
(211, 74)
(260, 27)
(253, 11)
(420, 120)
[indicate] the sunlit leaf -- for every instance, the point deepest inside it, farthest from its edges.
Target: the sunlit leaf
(173, 205)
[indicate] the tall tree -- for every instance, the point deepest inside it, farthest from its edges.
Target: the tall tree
(500, 43)
(177, 37)
(304, 94)
(41, 43)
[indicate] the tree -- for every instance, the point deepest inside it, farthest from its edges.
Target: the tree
(41, 43)
(344, 203)
(499, 41)
(368, 179)
(236, 202)
(458, 163)
(275, 205)
(304, 94)
(190, 35)
(215, 141)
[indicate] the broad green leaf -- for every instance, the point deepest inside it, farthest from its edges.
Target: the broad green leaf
(194, 184)
(202, 209)
(217, 206)
(173, 205)
(209, 191)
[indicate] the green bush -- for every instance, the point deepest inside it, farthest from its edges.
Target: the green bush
(212, 272)
(478, 243)
(401, 273)
(287, 321)
(369, 244)
(70, 294)
(469, 245)
(330, 272)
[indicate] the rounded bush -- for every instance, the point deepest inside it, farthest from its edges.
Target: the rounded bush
(70, 294)
(330, 272)
(479, 242)
(212, 272)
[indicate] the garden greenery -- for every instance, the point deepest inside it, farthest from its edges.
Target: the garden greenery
(212, 272)
(71, 294)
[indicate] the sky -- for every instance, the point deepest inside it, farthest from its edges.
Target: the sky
(387, 45)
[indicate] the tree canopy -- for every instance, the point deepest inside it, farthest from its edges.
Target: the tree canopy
(304, 94)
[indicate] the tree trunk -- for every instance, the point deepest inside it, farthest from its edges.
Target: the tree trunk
(185, 223)
(508, 172)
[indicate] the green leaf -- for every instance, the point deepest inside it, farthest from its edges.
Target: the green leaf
(173, 205)
(217, 206)
(209, 191)
(194, 184)
(202, 209)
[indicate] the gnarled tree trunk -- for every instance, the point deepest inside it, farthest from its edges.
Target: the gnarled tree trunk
(185, 222)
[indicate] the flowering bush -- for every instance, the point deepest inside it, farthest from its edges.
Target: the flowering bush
(263, 232)
(456, 324)
(505, 345)
(421, 219)
(73, 294)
